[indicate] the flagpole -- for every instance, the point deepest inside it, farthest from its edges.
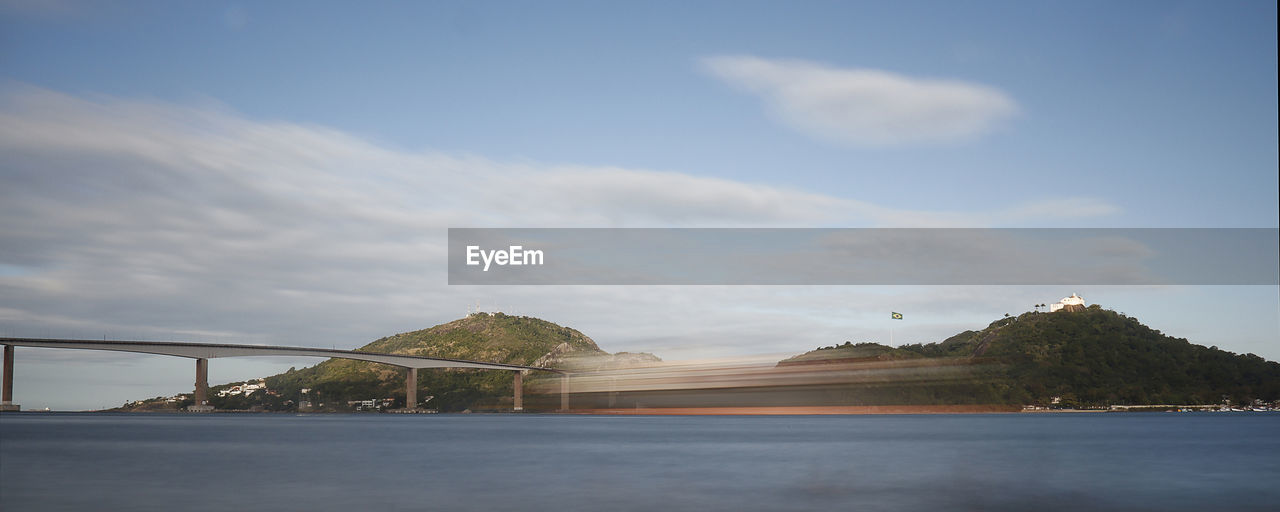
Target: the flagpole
(894, 315)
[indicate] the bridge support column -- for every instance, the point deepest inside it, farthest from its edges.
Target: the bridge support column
(202, 387)
(519, 390)
(411, 389)
(6, 395)
(202, 381)
(564, 392)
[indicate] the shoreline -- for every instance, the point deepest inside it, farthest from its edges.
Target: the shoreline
(803, 410)
(852, 410)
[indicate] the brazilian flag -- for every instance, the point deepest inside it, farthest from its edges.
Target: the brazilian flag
(897, 316)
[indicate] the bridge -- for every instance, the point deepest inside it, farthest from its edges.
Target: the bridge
(203, 352)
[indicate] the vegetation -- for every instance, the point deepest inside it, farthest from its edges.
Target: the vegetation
(851, 351)
(1086, 357)
(481, 337)
(1091, 357)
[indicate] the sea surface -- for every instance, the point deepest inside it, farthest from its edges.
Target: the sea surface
(191, 462)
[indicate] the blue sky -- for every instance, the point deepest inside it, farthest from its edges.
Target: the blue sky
(242, 169)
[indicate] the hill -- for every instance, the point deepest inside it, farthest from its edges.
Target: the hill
(849, 352)
(486, 337)
(1089, 357)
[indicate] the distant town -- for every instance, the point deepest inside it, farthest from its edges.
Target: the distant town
(227, 394)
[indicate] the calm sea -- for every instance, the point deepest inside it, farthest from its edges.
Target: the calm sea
(141, 462)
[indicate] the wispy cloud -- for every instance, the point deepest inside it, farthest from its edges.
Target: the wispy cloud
(145, 218)
(866, 107)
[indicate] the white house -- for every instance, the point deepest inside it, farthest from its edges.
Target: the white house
(1073, 300)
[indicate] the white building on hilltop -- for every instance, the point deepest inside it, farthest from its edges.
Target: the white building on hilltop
(1071, 303)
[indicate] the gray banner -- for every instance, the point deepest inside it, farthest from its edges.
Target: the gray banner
(608, 256)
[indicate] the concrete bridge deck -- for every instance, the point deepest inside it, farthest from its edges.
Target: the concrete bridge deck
(202, 352)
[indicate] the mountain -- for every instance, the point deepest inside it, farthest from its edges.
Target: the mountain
(495, 337)
(1087, 357)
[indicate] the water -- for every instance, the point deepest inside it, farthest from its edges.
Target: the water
(141, 462)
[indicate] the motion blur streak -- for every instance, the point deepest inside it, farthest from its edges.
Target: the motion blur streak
(766, 383)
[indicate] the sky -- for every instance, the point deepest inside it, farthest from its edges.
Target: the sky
(285, 173)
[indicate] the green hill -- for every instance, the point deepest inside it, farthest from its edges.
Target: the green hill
(1087, 357)
(850, 352)
(481, 337)
(1098, 357)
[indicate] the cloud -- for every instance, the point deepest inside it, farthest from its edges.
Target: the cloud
(866, 107)
(141, 219)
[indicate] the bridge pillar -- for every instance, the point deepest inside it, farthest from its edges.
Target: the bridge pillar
(6, 396)
(202, 381)
(519, 390)
(564, 392)
(202, 387)
(411, 389)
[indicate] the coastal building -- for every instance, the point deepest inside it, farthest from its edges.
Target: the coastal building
(372, 404)
(1072, 303)
(247, 389)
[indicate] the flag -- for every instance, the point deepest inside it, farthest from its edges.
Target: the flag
(897, 315)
